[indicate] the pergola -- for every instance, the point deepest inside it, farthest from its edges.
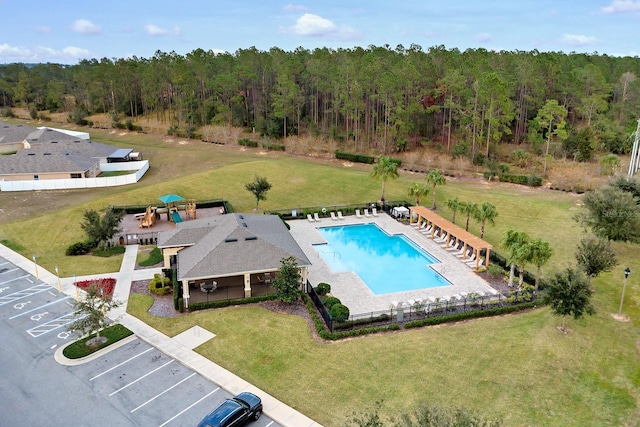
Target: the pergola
(454, 233)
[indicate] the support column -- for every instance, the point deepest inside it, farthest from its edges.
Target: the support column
(304, 274)
(185, 293)
(247, 285)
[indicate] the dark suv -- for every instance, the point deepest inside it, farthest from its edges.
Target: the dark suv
(234, 412)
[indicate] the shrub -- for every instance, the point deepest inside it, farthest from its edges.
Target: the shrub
(160, 285)
(155, 257)
(356, 158)
(339, 312)
(79, 248)
(323, 288)
(331, 301)
(106, 253)
(79, 348)
(530, 180)
(105, 285)
(181, 305)
(247, 142)
(495, 271)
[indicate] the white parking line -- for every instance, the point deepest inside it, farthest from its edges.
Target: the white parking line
(187, 408)
(9, 271)
(120, 364)
(34, 309)
(13, 280)
(158, 395)
(144, 376)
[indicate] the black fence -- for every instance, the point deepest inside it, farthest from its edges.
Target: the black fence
(325, 211)
(419, 309)
(214, 203)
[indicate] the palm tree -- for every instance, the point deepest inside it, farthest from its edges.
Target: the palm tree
(385, 169)
(468, 209)
(417, 191)
(513, 241)
(455, 205)
(539, 253)
(486, 212)
(435, 178)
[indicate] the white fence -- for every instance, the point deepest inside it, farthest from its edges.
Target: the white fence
(140, 167)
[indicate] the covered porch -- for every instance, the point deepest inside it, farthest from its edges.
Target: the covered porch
(450, 235)
(227, 288)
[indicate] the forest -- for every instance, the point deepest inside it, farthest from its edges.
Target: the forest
(375, 99)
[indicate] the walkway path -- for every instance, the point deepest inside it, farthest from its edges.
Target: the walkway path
(179, 347)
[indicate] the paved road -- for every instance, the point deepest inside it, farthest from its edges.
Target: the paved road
(135, 384)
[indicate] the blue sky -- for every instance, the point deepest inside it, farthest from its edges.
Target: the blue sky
(71, 30)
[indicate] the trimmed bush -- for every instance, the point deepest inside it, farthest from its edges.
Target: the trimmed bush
(181, 305)
(79, 248)
(160, 285)
(356, 158)
(330, 302)
(80, 348)
(323, 288)
(530, 180)
(195, 306)
(248, 143)
(339, 312)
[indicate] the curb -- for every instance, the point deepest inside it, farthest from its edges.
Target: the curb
(65, 361)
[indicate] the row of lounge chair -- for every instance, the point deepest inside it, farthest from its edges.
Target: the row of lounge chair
(440, 237)
(316, 217)
(374, 212)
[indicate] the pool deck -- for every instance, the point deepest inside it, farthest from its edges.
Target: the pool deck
(353, 293)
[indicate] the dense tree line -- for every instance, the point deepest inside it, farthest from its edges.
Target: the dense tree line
(377, 98)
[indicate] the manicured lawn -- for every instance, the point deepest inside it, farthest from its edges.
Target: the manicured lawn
(517, 366)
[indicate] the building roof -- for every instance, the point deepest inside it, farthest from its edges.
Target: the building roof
(49, 151)
(231, 244)
(10, 134)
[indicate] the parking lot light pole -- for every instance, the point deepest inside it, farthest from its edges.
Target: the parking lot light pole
(76, 286)
(36, 264)
(627, 271)
(58, 276)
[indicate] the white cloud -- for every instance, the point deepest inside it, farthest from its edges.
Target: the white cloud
(294, 8)
(622, 6)
(155, 31)
(84, 26)
(483, 37)
(310, 25)
(578, 39)
(41, 54)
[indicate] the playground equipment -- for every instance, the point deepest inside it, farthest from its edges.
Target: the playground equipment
(149, 217)
(190, 211)
(175, 217)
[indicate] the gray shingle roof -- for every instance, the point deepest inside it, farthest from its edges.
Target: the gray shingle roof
(231, 244)
(50, 152)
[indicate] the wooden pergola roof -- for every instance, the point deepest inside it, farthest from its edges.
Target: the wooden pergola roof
(452, 230)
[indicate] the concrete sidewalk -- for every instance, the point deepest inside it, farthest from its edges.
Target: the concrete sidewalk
(180, 347)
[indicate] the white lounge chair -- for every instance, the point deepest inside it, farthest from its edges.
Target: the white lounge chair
(316, 217)
(366, 213)
(310, 218)
(374, 212)
(340, 215)
(358, 214)
(333, 216)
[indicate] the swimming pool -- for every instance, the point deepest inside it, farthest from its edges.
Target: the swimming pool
(385, 263)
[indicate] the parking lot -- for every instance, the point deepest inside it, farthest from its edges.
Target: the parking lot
(135, 384)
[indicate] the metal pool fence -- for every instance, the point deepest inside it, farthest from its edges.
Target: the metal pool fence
(418, 309)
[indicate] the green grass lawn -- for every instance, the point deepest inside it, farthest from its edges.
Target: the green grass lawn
(518, 366)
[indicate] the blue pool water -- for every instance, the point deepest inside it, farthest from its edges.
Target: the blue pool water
(385, 263)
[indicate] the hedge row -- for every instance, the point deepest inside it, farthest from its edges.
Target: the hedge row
(356, 158)
(325, 334)
(530, 180)
(474, 314)
(194, 306)
(273, 147)
(248, 143)
(80, 349)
